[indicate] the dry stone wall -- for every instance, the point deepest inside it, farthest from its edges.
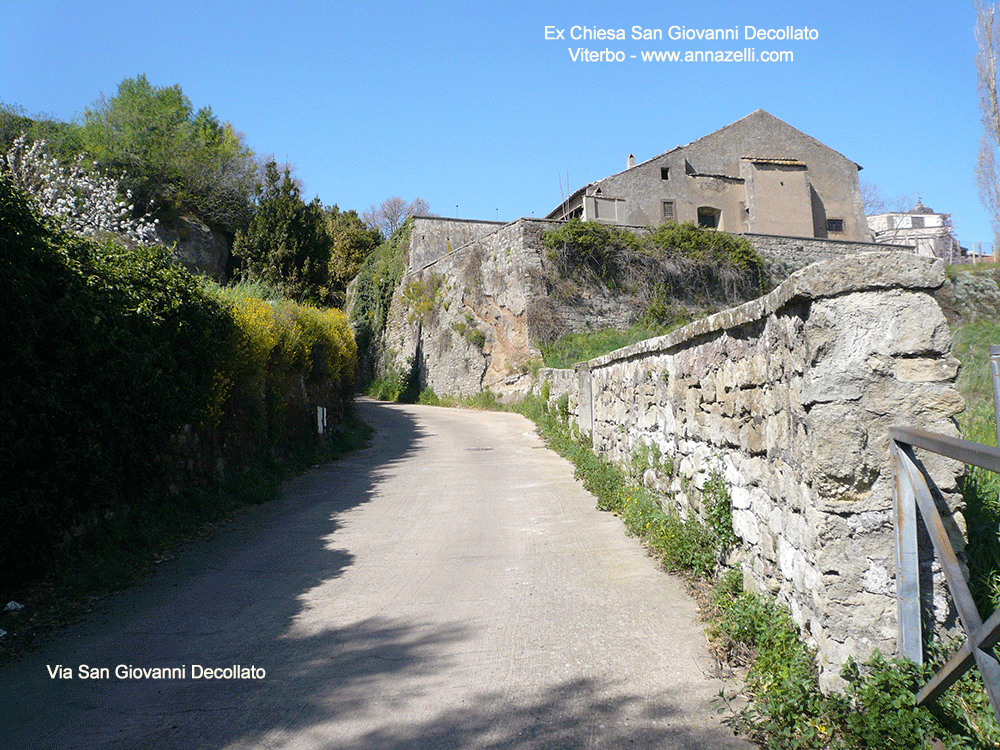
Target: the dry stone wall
(790, 398)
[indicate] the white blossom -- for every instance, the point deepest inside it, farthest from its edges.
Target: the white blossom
(86, 201)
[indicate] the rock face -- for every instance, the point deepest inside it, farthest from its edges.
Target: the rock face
(790, 398)
(196, 246)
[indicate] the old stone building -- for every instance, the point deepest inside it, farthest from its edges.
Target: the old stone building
(757, 175)
(931, 233)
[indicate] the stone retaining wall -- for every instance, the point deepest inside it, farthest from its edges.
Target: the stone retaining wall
(789, 398)
(785, 255)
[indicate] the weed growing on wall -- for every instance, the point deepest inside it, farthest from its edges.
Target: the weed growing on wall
(468, 330)
(678, 262)
(423, 297)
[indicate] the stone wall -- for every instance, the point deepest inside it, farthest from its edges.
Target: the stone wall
(789, 398)
(465, 277)
(785, 255)
(433, 237)
(463, 318)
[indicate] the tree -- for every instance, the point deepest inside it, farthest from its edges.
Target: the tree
(875, 202)
(390, 214)
(351, 242)
(988, 165)
(170, 154)
(84, 201)
(286, 244)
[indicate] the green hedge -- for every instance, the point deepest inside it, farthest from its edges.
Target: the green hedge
(108, 354)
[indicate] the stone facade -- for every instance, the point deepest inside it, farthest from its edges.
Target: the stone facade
(757, 175)
(789, 398)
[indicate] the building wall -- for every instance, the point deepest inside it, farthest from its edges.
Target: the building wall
(932, 237)
(761, 173)
(779, 199)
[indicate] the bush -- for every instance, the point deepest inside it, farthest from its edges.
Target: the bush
(110, 354)
(669, 263)
(107, 353)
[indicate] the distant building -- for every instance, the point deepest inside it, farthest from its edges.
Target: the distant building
(930, 232)
(757, 175)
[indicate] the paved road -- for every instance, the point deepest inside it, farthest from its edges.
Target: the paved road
(451, 586)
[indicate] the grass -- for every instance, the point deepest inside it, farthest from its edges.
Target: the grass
(129, 548)
(786, 708)
(980, 488)
(571, 348)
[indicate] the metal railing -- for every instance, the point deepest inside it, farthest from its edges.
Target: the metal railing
(913, 489)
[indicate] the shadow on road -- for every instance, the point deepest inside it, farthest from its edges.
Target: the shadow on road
(240, 600)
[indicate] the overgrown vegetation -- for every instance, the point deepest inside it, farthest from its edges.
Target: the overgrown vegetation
(670, 276)
(672, 262)
(370, 297)
(130, 546)
(113, 353)
(167, 160)
(171, 157)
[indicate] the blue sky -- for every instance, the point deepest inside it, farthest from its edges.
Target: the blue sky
(470, 107)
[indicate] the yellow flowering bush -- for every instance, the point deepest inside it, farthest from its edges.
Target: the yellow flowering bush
(273, 340)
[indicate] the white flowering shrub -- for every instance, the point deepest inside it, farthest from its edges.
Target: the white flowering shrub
(85, 201)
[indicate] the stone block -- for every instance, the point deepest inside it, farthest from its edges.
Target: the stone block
(926, 370)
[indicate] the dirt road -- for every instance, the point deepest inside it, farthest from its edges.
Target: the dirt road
(450, 586)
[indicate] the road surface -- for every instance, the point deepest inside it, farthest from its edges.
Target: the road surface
(450, 586)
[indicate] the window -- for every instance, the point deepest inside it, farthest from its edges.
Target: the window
(708, 217)
(664, 173)
(917, 222)
(835, 226)
(668, 211)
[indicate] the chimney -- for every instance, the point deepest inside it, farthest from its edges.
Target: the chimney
(630, 162)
